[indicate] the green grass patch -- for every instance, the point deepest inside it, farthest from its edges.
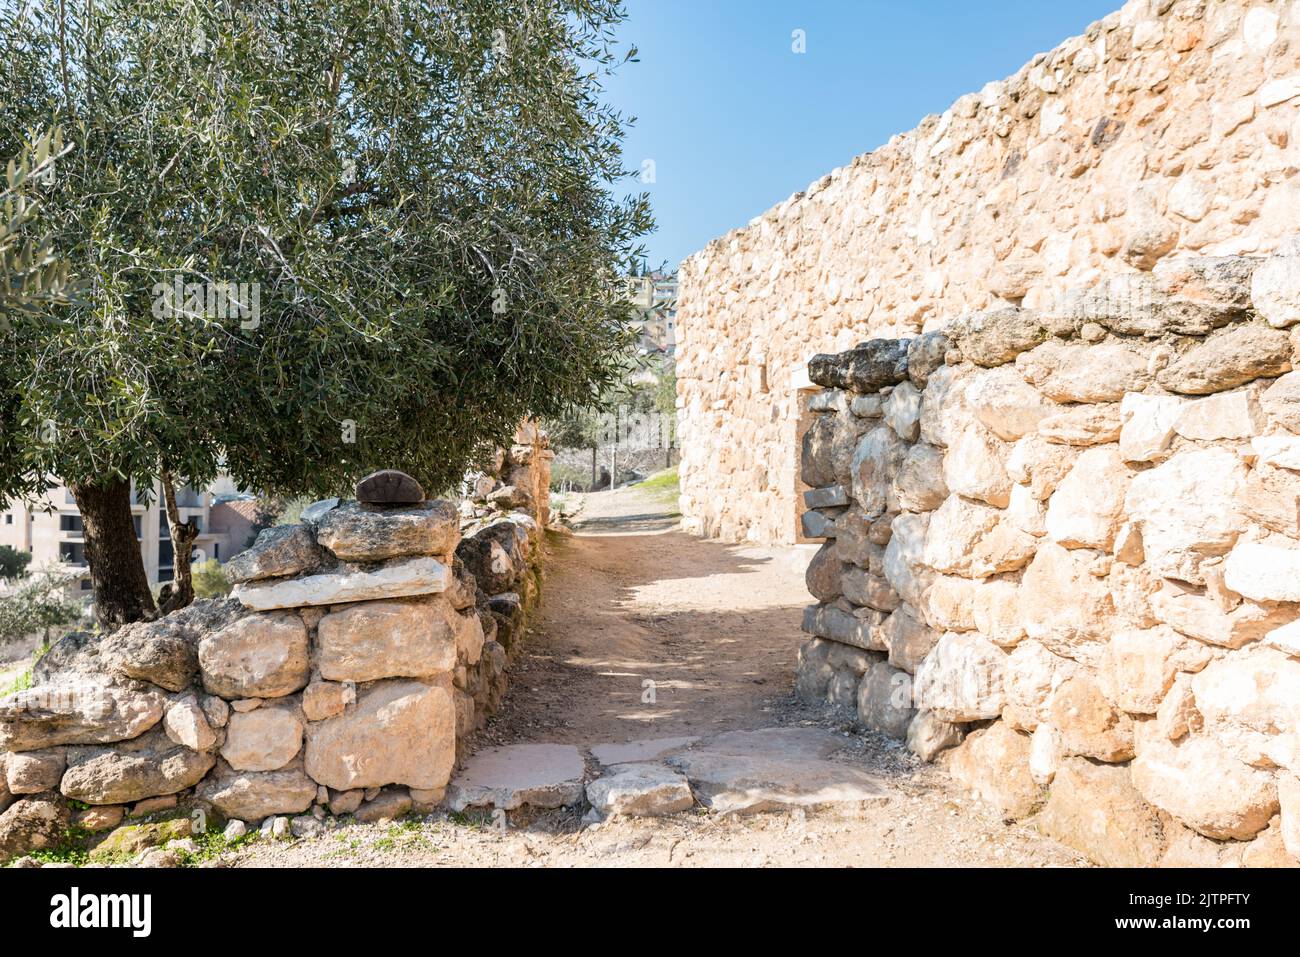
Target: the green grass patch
(662, 485)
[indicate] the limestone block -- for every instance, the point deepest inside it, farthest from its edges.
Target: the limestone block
(1095, 809)
(355, 531)
(1147, 425)
(1006, 404)
(259, 656)
(902, 411)
(918, 484)
(976, 466)
(1178, 532)
(884, 700)
(1227, 359)
(364, 641)
(994, 763)
(1079, 372)
(395, 579)
(1087, 722)
(1202, 785)
(962, 678)
(1085, 509)
(399, 732)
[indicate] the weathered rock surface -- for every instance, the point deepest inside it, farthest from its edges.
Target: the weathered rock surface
(86, 710)
(538, 775)
(1228, 359)
(254, 795)
(32, 824)
(1095, 809)
(387, 639)
(279, 551)
(865, 368)
(123, 773)
(994, 763)
(961, 679)
(399, 732)
(259, 656)
(398, 578)
(356, 531)
(641, 790)
(263, 740)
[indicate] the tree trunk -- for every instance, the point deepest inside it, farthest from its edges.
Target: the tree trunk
(116, 566)
(181, 592)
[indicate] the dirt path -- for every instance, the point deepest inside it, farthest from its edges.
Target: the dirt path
(646, 632)
(630, 599)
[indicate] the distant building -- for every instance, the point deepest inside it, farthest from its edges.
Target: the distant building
(58, 535)
(654, 300)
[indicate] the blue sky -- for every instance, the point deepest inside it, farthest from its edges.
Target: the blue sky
(735, 122)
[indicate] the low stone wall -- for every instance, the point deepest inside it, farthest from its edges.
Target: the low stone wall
(1063, 556)
(356, 652)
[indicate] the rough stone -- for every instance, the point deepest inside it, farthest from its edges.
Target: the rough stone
(1083, 425)
(925, 354)
(389, 805)
(877, 459)
(1062, 605)
(824, 573)
(325, 699)
(78, 710)
(1087, 722)
(1139, 666)
(254, 795)
(1281, 401)
(1228, 359)
(186, 724)
(279, 551)
(1168, 502)
(884, 700)
(1264, 572)
(1147, 425)
(641, 790)
(399, 732)
(387, 639)
(868, 367)
(1086, 507)
(260, 656)
(905, 566)
(1202, 785)
(996, 611)
(962, 678)
(1095, 808)
(1229, 415)
(994, 763)
(863, 588)
(263, 740)
(928, 735)
(356, 531)
(1275, 290)
(976, 466)
(908, 639)
(1006, 404)
(997, 336)
(32, 824)
(902, 411)
(32, 772)
(1079, 372)
(918, 484)
(125, 772)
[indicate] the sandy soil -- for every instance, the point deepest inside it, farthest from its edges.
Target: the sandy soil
(630, 599)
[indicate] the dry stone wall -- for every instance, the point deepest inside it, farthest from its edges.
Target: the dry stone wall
(357, 651)
(1063, 556)
(1169, 129)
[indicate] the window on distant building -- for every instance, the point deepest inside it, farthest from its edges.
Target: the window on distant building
(74, 552)
(9, 519)
(216, 550)
(164, 529)
(85, 584)
(137, 519)
(71, 523)
(166, 556)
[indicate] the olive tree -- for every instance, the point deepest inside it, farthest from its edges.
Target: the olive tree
(316, 237)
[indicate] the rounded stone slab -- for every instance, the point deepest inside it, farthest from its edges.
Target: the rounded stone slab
(397, 579)
(539, 775)
(389, 487)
